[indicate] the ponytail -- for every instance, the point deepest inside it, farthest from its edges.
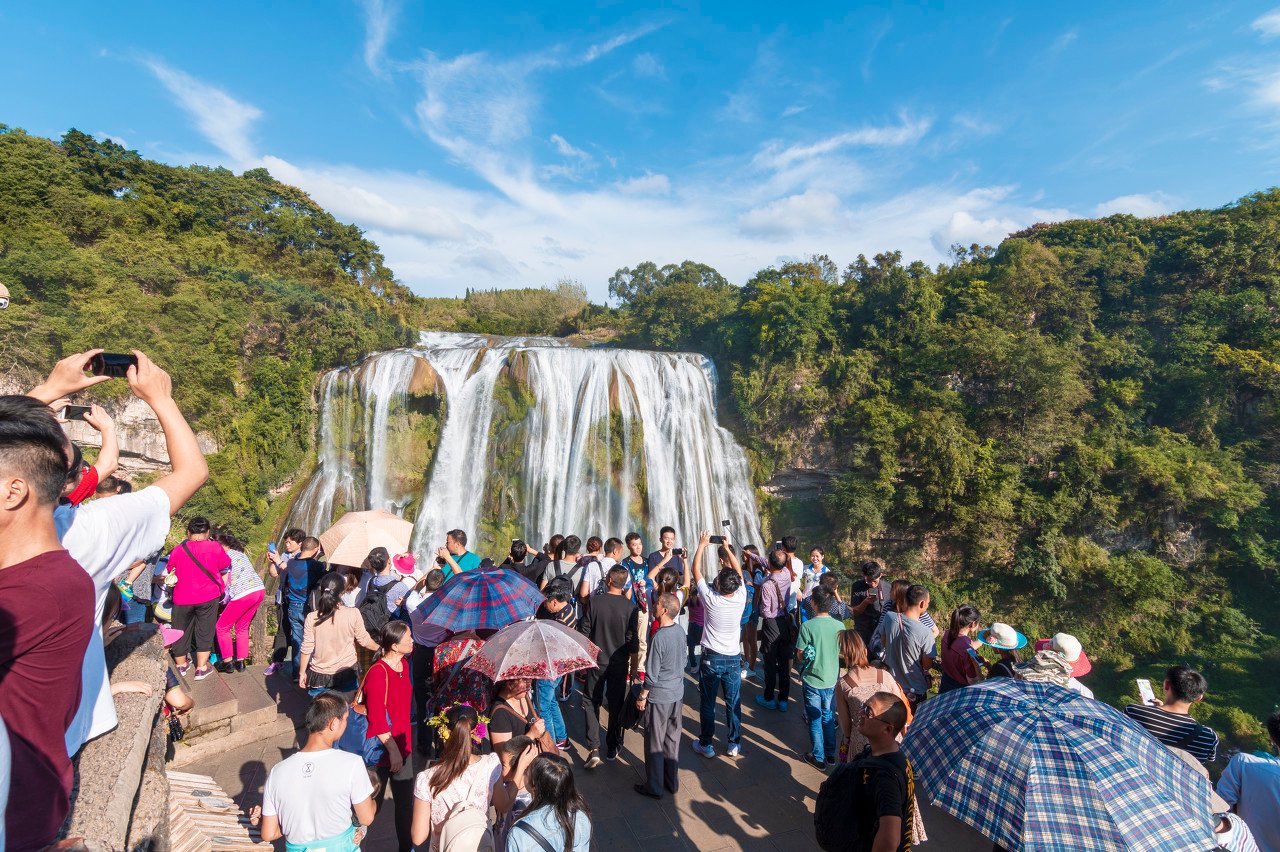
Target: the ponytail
(330, 590)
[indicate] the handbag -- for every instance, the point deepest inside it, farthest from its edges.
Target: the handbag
(355, 739)
(546, 743)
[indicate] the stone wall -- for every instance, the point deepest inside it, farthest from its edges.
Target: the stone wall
(121, 797)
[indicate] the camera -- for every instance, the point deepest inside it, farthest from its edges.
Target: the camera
(112, 364)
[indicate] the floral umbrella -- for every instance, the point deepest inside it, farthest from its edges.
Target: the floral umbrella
(540, 650)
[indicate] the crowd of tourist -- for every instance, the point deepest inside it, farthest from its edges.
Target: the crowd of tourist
(471, 764)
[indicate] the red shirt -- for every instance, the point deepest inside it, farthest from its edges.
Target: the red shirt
(956, 662)
(46, 616)
(390, 693)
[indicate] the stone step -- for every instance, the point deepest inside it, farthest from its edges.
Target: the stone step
(233, 704)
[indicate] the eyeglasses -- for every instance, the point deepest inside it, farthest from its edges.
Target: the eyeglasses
(868, 716)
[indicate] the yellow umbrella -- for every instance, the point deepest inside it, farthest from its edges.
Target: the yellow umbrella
(349, 540)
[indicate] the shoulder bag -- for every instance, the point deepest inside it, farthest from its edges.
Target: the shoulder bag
(355, 739)
(546, 743)
(216, 581)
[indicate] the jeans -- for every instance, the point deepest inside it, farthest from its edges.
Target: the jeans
(549, 708)
(820, 713)
(295, 608)
(133, 611)
(720, 672)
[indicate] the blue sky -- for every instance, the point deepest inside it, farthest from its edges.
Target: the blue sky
(501, 144)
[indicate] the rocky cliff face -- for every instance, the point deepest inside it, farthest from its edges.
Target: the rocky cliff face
(142, 446)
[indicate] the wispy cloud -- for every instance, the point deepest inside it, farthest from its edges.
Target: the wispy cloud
(650, 184)
(1065, 40)
(379, 15)
(794, 109)
(648, 65)
(562, 145)
(596, 51)
(877, 37)
(773, 156)
(811, 212)
(1268, 24)
(224, 121)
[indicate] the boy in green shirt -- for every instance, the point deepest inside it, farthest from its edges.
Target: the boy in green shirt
(818, 651)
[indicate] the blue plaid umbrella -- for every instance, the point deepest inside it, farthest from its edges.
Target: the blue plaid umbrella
(1040, 768)
(482, 599)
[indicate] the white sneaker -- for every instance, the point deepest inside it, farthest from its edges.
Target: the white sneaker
(734, 750)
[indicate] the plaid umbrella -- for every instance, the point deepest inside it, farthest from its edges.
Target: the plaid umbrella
(481, 599)
(1037, 767)
(541, 650)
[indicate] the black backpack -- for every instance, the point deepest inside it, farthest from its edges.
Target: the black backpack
(835, 823)
(373, 609)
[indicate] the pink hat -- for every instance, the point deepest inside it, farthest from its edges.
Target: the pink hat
(1069, 647)
(404, 562)
(171, 635)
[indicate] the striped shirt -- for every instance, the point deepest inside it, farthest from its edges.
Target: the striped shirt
(1176, 730)
(243, 579)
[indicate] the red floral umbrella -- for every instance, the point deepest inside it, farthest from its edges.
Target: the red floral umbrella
(539, 650)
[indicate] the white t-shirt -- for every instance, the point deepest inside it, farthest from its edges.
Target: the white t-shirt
(1079, 687)
(106, 537)
(722, 625)
(312, 793)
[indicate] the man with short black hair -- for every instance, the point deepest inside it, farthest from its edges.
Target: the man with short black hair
(909, 648)
(518, 560)
(818, 651)
(455, 555)
(868, 599)
(277, 563)
(1170, 720)
(309, 797)
(46, 617)
(884, 802)
(667, 553)
(662, 700)
(719, 670)
(610, 622)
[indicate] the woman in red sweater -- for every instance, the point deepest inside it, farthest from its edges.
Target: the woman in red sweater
(388, 693)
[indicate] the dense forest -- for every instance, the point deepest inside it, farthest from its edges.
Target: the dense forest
(1074, 430)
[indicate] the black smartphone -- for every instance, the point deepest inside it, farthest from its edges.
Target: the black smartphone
(112, 364)
(678, 551)
(724, 523)
(716, 539)
(76, 412)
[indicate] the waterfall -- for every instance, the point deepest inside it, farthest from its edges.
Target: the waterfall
(525, 437)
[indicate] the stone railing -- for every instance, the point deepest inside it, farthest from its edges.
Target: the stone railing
(121, 796)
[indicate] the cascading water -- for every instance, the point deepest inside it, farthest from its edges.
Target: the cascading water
(525, 437)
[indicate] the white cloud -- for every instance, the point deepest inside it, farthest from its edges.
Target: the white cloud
(773, 156)
(598, 50)
(648, 65)
(1141, 205)
(379, 15)
(1065, 40)
(223, 120)
(811, 211)
(974, 125)
(794, 109)
(1268, 24)
(650, 184)
(111, 137)
(562, 145)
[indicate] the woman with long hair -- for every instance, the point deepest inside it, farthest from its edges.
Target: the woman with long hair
(461, 780)
(557, 816)
(245, 591)
(330, 633)
(861, 681)
(388, 695)
(960, 661)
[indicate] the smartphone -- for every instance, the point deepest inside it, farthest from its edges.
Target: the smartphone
(724, 523)
(1144, 691)
(271, 547)
(678, 551)
(76, 412)
(716, 539)
(112, 364)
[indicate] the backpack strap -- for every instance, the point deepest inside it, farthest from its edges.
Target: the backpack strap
(192, 557)
(536, 835)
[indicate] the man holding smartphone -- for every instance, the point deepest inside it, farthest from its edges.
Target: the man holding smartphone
(868, 598)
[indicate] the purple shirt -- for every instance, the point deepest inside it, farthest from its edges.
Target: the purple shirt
(773, 593)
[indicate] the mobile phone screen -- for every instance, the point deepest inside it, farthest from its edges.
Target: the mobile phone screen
(75, 412)
(1144, 691)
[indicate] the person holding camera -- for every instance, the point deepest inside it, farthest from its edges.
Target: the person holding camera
(720, 670)
(454, 558)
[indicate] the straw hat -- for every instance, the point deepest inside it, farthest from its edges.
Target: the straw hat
(4, 297)
(1002, 636)
(1069, 647)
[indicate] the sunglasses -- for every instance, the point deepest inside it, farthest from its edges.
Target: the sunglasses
(868, 716)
